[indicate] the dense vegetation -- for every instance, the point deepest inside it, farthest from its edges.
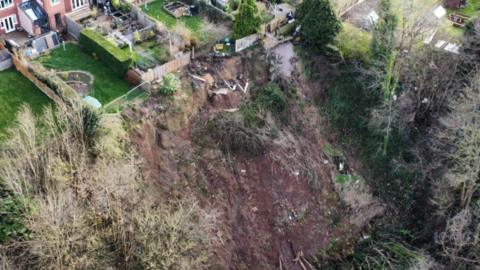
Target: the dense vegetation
(247, 20)
(76, 201)
(74, 195)
(319, 23)
(411, 118)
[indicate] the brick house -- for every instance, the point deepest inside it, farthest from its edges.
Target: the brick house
(36, 16)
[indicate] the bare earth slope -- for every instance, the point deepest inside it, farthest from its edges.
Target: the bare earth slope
(283, 208)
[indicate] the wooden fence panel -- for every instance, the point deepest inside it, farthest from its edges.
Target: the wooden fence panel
(159, 71)
(23, 68)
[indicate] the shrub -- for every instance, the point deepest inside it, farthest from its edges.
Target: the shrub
(229, 131)
(12, 211)
(92, 212)
(319, 23)
(182, 222)
(136, 37)
(247, 21)
(52, 81)
(91, 123)
(251, 115)
(161, 53)
(118, 60)
(354, 43)
(213, 14)
(170, 85)
(235, 4)
(272, 98)
(116, 4)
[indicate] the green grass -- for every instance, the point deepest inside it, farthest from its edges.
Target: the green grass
(155, 9)
(471, 9)
(192, 23)
(106, 86)
(345, 178)
(16, 90)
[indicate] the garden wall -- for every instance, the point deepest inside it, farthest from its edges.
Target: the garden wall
(142, 17)
(159, 71)
(243, 43)
(73, 28)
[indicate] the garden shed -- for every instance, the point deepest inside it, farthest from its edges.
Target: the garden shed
(454, 3)
(5, 60)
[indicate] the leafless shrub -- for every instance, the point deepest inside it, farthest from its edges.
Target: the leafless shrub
(60, 237)
(425, 262)
(457, 145)
(460, 239)
(231, 134)
(91, 210)
(174, 238)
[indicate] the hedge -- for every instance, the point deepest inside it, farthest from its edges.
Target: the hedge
(55, 83)
(115, 58)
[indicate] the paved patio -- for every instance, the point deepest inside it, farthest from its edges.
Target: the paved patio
(19, 37)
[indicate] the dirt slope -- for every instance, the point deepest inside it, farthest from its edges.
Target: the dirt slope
(272, 207)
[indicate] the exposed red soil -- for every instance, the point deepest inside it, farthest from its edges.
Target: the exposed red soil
(272, 206)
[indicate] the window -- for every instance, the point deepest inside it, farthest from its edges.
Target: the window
(6, 3)
(58, 20)
(8, 23)
(78, 3)
(55, 2)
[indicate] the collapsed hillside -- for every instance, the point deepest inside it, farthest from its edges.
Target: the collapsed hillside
(276, 202)
(233, 170)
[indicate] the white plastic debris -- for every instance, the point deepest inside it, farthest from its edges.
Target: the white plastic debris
(429, 39)
(394, 97)
(222, 91)
(296, 173)
(440, 43)
(425, 100)
(439, 12)
(373, 17)
(341, 166)
(453, 48)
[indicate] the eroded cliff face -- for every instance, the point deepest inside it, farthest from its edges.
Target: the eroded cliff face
(296, 201)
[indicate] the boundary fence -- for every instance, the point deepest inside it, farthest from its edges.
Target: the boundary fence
(136, 92)
(22, 67)
(159, 71)
(73, 28)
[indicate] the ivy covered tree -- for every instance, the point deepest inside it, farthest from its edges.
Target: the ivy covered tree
(247, 21)
(383, 41)
(319, 23)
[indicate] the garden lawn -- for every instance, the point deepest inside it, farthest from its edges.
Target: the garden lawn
(106, 86)
(156, 11)
(16, 90)
(471, 9)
